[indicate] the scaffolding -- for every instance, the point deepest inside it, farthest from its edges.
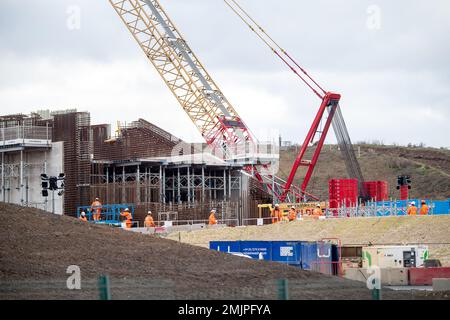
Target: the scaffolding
(168, 188)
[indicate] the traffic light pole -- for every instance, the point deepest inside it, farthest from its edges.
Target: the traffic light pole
(53, 201)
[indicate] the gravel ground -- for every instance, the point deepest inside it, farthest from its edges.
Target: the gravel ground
(36, 248)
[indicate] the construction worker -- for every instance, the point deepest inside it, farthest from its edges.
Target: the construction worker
(412, 210)
(317, 212)
(292, 214)
(149, 222)
(275, 213)
(424, 209)
(83, 216)
(128, 218)
(96, 209)
(212, 218)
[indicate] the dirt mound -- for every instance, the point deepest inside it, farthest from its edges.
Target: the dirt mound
(430, 230)
(36, 249)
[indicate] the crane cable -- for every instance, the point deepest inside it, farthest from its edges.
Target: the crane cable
(276, 45)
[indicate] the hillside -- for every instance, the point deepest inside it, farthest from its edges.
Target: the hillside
(429, 168)
(430, 230)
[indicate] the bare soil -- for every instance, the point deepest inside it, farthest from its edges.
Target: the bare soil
(36, 248)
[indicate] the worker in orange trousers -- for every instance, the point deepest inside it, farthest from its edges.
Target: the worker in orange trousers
(212, 218)
(424, 209)
(96, 209)
(128, 218)
(149, 222)
(275, 214)
(412, 210)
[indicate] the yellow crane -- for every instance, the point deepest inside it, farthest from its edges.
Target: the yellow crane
(199, 96)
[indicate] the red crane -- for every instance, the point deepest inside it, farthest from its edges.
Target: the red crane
(206, 105)
(329, 113)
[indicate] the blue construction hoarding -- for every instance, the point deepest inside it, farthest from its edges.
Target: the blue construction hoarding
(315, 256)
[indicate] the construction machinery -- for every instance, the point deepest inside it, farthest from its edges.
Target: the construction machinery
(329, 103)
(214, 116)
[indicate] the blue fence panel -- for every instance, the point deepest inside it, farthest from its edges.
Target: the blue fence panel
(287, 252)
(257, 249)
(309, 255)
(225, 246)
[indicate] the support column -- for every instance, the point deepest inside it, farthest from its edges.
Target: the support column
(21, 178)
(160, 185)
(229, 184)
(114, 186)
(138, 188)
(179, 187)
(173, 187)
(164, 186)
(188, 185)
(3, 177)
(224, 185)
(123, 186)
(107, 186)
(203, 184)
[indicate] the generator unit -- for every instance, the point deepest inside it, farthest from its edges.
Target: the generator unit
(412, 256)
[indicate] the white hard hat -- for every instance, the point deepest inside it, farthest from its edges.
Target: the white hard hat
(277, 205)
(149, 212)
(83, 213)
(127, 209)
(213, 210)
(97, 198)
(413, 203)
(293, 207)
(318, 205)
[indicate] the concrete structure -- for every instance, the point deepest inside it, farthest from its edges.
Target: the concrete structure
(27, 151)
(21, 176)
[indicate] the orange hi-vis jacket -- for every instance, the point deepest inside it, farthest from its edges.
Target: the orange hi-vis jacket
(212, 219)
(149, 222)
(424, 210)
(96, 208)
(275, 214)
(127, 215)
(83, 218)
(317, 212)
(129, 219)
(292, 214)
(412, 211)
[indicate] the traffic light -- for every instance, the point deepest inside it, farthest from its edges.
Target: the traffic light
(53, 183)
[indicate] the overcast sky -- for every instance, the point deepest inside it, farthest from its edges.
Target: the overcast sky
(390, 60)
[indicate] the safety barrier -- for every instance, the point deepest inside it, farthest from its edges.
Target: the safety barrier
(109, 214)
